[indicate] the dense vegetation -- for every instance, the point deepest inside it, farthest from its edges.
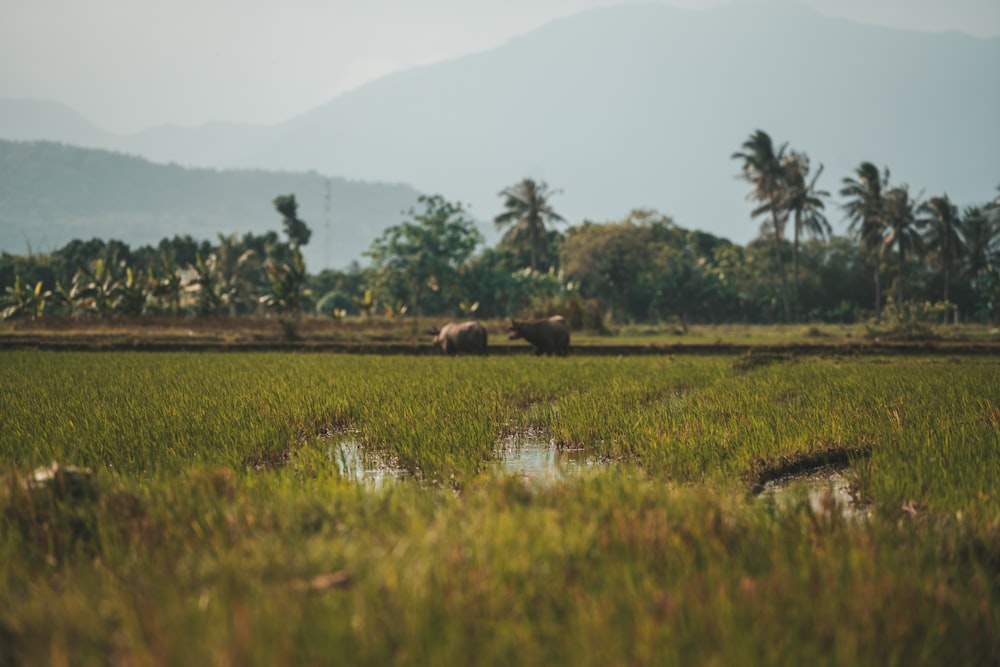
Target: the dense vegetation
(904, 257)
(218, 527)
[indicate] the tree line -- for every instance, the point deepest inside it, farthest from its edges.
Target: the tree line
(903, 256)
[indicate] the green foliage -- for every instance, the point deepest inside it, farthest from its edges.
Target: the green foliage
(234, 265)
(865, 210)
(498, 281)
(987, 286)
(165, 287)
(527, 212)
(421, 259)
(217, 526)
(640, 269)
(22, 299)
(804, 202)
(131, 294)
(763, 168)
(287, 280)
(296, 230)
(615, 261)
(94, 288)
(911, 319)
(901, 231)
(203, 285)
(649, 268)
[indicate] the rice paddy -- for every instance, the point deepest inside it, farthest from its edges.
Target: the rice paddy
(299, 508)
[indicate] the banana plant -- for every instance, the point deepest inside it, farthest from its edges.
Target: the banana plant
(92, 289)
(330, 304)
(365, 304)
(231, 269)
(60, 302)
(204, 286)
(22, 299)
(468, 309)
(167, 285)
(130, 294)
(390, 310)
(285, 299)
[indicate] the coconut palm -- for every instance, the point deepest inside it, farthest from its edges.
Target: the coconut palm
(805, 203)
(762, 168)
(901, 225)
(527, 212)
(865, 209)
(982, 238)
(994, 207)
(943, 236)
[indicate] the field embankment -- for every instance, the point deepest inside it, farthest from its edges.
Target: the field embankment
(401, 336)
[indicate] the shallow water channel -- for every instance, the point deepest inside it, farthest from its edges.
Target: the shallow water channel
(538, 460)
(353, 462)
(825, 489)
(535, 459)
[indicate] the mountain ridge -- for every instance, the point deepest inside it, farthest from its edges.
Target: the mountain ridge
(668, 133)
(642, 106)
(52, 193)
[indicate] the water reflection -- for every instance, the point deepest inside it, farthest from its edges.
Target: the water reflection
(354, 462)
(533, 458)
(541, 460)
(825, 489)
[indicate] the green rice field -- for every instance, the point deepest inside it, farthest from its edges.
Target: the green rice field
(276, 508)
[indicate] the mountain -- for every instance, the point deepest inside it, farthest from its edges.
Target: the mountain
(52, 193)
(642, 106)
(29, 120)
(209, 145)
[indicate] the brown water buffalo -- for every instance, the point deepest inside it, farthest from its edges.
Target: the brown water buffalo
(549, 336)
(464, 338)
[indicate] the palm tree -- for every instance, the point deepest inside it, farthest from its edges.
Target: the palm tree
(901, 223)
(527, 211)
(981, 238)
(762, 168)
(943, 236)
(805, 202)
(865, 208)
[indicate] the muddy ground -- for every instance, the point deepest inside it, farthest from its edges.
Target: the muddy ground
(398, 336)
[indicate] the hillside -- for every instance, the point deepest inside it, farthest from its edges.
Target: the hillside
(52, 193)
(636, 106)
(643, 105)
(30, 120)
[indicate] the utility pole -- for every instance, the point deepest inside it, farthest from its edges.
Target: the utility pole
(326, 224)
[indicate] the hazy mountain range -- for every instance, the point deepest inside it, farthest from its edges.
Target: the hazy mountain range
(624, 107)
(52, 193)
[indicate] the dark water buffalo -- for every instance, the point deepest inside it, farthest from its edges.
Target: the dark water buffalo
(549, 336)
(464, 338)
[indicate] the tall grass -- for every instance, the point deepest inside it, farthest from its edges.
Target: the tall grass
(222, 533)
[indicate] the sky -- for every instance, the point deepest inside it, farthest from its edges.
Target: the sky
(128, 65)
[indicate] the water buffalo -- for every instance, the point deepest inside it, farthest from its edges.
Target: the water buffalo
(465, 338)
(549, 336)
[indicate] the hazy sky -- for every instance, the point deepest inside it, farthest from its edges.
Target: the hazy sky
(131, 64)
